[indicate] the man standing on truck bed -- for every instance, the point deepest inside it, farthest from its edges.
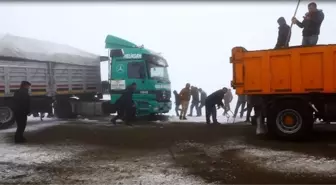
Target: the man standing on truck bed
(177, 102)
(311, 24)
(21, 110)
(283, 34)
(211, 101)
(195, 100)
(125, 106)
(185, 98)
(241, 102)
(203, 97)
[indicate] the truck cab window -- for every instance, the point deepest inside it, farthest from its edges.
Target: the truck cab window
(136, 70)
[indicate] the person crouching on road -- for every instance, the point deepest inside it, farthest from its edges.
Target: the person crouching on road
(125, 106)
(195, 100)
(211, 101)
(21, 110)
(177, 102)
(185, 98)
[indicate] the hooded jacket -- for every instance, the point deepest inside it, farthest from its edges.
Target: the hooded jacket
(185, 94)
(195, 95)
(215, 98)
(284, 30)
(313, 25)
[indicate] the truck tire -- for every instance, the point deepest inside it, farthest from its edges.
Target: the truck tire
(63, 109)
(292, 120)
(7, 118)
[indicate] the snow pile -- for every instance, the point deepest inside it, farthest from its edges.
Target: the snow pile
(151, 169)
(25, 154)
(288, 161)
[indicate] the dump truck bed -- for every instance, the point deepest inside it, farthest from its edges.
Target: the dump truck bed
(295, 70)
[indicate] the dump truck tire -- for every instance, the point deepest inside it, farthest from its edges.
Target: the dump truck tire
(7, 118)
(291, 120)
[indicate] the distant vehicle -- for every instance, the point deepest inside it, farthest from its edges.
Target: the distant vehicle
(149, 70)
(296, 86)
(61, 75)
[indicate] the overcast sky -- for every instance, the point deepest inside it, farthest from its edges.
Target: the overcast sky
(195, 38)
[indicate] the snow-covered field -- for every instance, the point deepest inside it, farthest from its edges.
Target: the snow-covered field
(23, 163)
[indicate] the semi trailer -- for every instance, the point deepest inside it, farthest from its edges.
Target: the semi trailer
(62, 76)
(68, 80)
(293, 87)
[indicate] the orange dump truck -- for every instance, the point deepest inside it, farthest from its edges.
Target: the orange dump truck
(294, 86)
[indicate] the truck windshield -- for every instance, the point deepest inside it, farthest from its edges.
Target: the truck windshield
(158, 72)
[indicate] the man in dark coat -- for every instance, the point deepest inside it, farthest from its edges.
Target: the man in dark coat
(195, 100)
(283, 34)
(311, 25)
(177, 102)
(125, 106)
(241, 102)
(211, 101)
(21, 110)
(202, 102)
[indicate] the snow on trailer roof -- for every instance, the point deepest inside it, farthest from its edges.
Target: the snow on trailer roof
(38, 50)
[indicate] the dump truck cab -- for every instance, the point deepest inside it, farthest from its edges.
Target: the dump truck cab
(130, 63)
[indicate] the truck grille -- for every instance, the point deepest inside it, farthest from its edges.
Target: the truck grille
(163, 95)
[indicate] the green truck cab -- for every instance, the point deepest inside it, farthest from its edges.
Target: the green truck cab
(149, 70)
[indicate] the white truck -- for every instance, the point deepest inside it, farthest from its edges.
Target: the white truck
(62, 76)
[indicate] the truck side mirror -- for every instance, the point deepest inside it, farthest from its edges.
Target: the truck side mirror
(116, 53)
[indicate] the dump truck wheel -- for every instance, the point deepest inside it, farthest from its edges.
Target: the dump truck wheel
(291, 120)
(7, 118)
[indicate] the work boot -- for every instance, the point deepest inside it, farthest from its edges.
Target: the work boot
(216, 122)
(184, 118)
(20, 140)
(180, 117)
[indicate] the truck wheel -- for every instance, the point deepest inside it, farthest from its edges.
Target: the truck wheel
(63, 109)
(291, 120)
(7, 118)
